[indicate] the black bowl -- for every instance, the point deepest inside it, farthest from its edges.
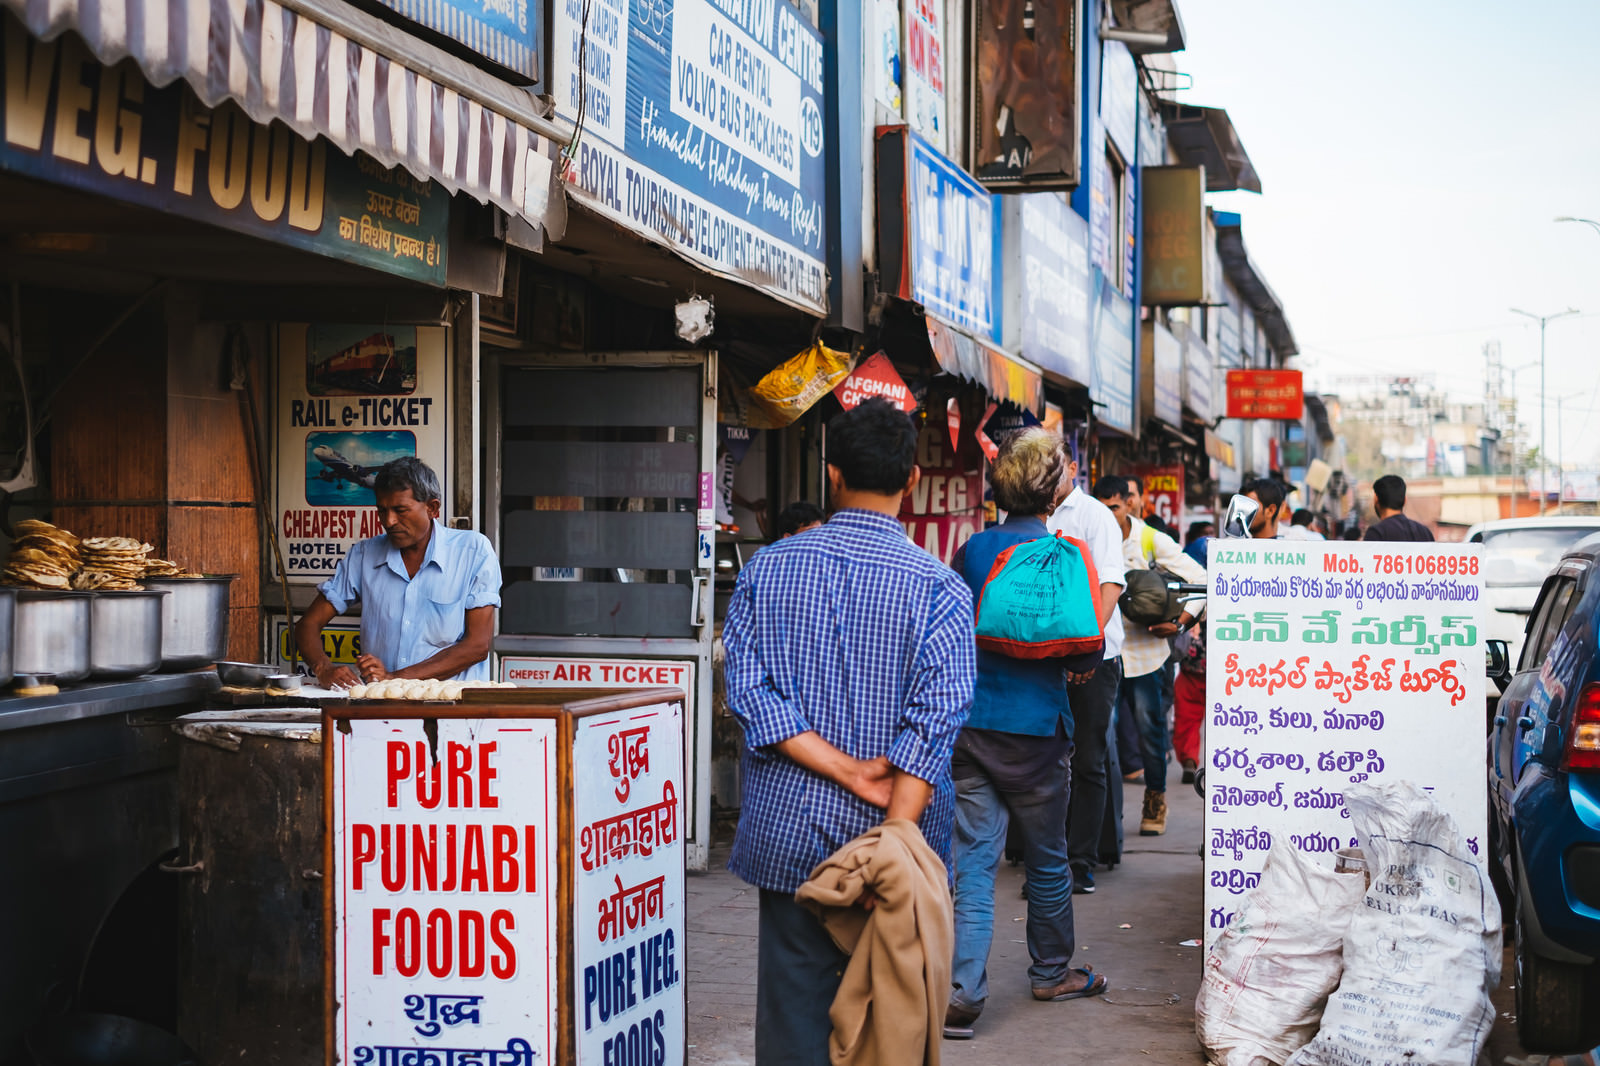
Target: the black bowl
(106, 1040)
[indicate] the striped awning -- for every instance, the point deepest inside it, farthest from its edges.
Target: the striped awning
(326, 69)
(1003, 375)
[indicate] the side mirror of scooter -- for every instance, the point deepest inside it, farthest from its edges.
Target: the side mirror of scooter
(1236, 522)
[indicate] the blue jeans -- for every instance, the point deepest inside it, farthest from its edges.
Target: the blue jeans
(1040, 813)
(1142, 699)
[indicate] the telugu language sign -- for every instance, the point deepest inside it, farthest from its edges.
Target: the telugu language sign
(628, 886)
(1328, 665)
(69, 120)
(700, 126)
(443, 889)
(350, 398)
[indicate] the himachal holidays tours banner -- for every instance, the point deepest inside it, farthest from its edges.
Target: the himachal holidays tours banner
(700, 125)
(1331, 664)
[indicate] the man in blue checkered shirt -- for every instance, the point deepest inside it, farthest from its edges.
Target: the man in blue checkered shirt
(850, 664)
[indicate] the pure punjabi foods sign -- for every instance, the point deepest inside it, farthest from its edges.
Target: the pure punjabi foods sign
(700, 126)
(444, 890)
(67, 119)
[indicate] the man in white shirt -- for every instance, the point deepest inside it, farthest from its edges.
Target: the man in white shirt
(1299, 527)
(1082, 516)
(1145, 651)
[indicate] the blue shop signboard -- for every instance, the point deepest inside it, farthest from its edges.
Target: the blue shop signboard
(1112, 388)
(1054, 259)
(505, 32)
(700, 126)
(936, 229)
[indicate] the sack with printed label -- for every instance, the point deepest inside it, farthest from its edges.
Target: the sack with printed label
(1268, 976)
(1423, 951)
(790, 389)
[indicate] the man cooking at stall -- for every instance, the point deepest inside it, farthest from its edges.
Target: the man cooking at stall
(427, 592)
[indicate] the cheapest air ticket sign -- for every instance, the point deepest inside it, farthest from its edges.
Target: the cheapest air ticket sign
(351, 397)
(444, 891)
(1330, 664)
(700, 126)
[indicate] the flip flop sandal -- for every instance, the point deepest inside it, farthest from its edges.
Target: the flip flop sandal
(1096, 986)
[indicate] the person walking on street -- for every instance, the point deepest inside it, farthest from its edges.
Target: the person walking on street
(1300, 526)
(1145, 651)
(1010, 763)
(1389, 500)
(850, 666)
(1268, 492)
(1092, 701)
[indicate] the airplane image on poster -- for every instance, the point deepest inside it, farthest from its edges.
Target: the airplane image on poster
(338, 470)
(342, 466)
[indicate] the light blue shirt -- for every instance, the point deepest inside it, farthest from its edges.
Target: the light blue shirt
(405, 619)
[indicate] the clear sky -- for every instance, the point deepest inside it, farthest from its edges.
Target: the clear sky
(1413, 154)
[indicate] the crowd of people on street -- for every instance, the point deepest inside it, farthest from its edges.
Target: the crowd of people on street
(869, 708)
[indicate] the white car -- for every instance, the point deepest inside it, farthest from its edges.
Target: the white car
(1517, 554)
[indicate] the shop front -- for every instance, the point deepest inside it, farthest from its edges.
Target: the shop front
(244, 249)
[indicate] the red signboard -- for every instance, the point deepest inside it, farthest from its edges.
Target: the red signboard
(946, 507)
(1265, 394)
(875, 376)
(1163, 492)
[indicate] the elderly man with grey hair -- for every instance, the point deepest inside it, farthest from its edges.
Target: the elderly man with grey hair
(427, 592)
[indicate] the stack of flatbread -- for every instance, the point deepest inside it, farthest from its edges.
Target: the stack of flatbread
(43, 556)
(164, 568)
(112, 564)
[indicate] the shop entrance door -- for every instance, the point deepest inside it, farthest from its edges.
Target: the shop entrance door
(601, 464)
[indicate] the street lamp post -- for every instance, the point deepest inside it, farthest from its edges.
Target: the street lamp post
(1516, 425)
(1543, 463)
(1586, 221)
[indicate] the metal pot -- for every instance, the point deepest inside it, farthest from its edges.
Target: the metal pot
(125, 633)
(8, 620)
(52, 634)
(194, 619)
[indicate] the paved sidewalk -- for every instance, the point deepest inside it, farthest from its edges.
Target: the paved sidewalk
(1147, 1012)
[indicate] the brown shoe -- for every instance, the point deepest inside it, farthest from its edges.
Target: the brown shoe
(1153, 820)
(958, 1021)
(1081, 983)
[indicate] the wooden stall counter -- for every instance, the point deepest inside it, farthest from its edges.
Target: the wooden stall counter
(507, 881)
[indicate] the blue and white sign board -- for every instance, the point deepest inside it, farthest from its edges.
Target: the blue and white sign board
(1054, 258)
(502, 31)
(1112, 388)
(700, 127)
(952, 242)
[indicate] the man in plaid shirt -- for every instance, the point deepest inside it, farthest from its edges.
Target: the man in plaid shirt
(850, 665)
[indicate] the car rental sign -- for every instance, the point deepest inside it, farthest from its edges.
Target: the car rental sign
(700, 126)
(1330, 664)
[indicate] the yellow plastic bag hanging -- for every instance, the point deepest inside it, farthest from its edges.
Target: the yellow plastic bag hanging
(790, 389)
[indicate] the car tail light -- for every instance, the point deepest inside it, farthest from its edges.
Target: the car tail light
(1583, 741)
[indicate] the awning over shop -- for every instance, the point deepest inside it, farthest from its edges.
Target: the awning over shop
(1219, 449)
(1005, 376)
(1205, 137)
(1251, 285)
(325, 69)
(1150, 16)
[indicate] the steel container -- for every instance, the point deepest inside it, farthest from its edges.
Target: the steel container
(124, 633)
(52, 634)
(8, 625)
(194, 619)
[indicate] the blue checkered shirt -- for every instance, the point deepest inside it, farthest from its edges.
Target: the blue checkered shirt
(851, 631)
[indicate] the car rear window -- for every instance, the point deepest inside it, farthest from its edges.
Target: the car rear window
(1513, 557)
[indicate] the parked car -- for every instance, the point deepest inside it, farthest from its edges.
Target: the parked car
(1517, 554)
(1544, 823)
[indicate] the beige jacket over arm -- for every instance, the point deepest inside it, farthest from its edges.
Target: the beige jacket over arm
(889, 1010)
